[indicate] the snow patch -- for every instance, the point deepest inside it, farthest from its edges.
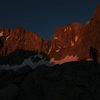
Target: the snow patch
(1, 34)
(52, 60)
(55, 38)
(57, 50)
(76, 38)
(50, 49)
(59, 47)
(7, 37)
(70, 28)
(65, 30)
(72, 43)
(89, 59)
(64, 60)
(88, 22)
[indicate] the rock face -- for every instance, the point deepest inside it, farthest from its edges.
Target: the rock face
(71, 40)
(75, 39)
(66, 41)
(19, 38)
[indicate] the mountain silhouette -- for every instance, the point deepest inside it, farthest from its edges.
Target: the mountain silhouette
(69, 81)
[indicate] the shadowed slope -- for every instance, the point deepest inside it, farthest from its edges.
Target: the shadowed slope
(69, 81)
(18, 56)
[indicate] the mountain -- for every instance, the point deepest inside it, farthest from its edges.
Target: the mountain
(19, 38)
(69, 43)
(69, 81)
(66, 41)
(75, 39)
(26, 72)
(19, 59)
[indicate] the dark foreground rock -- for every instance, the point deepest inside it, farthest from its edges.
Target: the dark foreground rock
(70, 81)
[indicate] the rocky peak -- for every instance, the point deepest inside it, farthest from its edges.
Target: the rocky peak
(74, 40)
(70, 41)
(97, 12)
(18, 38)
(64, 38)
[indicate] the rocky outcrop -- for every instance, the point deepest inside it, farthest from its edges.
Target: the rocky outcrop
(91, 33)
(75, 39)
(70, 81)
(66, 41)
(19, 38)
(72, 40)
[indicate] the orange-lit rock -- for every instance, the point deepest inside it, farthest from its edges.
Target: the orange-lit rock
(19, 38)
(70, 40)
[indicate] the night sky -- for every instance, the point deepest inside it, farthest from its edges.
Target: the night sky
(43, 16)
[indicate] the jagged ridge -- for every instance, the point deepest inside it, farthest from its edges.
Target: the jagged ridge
(71, 40)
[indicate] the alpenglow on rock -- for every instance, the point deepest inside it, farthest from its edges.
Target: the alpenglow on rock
(72, 40)
(19, 38)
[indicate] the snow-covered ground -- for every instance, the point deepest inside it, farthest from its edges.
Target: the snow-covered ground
(41, 61)
(28, 62)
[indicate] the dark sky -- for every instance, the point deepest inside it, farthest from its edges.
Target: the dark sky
(43, 16)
